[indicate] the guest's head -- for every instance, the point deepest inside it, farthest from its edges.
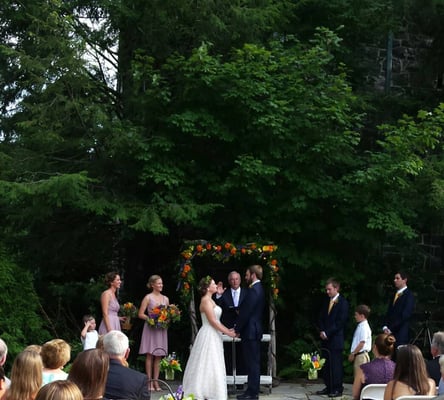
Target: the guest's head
(111, 277)
(60, 390)
(55, 353)
(384, 345)
(3, 352)
(34, 347)
(204, 285)
(26, 376)
(116, 345)
(234, 279)
(437, 346)
(89, 372)
(411, 368)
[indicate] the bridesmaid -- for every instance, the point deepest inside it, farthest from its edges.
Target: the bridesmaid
(154, 341)
(110, 304)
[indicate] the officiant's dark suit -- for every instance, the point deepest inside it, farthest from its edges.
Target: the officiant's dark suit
(332, 322)
(230, 313)
(249, 327)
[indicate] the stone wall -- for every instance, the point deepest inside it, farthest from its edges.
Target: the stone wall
(410, 53)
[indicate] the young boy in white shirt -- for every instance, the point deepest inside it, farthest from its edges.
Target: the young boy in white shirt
(362, 338)
(89, 336)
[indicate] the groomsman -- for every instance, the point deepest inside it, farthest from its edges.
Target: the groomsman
(399, 311)
(230, 300)
(249, 328)
(332, 321)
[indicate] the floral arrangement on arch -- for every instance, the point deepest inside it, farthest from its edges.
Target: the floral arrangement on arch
(224, 252)
(128, 310)
(312, 362)
(162, 316)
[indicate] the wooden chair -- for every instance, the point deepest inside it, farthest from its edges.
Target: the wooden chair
(373, 391)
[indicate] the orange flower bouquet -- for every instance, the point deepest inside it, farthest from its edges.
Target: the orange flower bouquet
(162, 316)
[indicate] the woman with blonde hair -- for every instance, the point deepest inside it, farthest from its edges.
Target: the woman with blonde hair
(154, 341)
(60, 390)
(410, 377)
(26, 376)
(55, 354)
(89, 372)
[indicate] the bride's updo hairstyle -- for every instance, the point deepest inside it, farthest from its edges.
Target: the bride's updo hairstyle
(204, 284)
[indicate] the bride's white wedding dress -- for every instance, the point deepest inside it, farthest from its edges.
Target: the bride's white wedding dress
(205, 371)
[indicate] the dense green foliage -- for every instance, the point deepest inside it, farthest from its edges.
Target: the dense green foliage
(127, 129)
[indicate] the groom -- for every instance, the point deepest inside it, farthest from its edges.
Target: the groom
(249, 329)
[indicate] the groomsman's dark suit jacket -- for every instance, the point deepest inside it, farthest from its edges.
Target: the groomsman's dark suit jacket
(333, 325)
(249, 325)
(398, 316)
(125, 383)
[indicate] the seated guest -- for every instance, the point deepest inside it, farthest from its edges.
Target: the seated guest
(436, 349)
(122, 382)
(3, 355)
(2, 382)
(380, 369)
(59, 390)
(55, 354)
(441, 381)
(410, 377)
(26, 376)
(89, 372)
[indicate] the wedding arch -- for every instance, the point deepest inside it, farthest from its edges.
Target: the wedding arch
(229, 254)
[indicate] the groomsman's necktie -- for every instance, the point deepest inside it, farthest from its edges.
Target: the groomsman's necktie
(330, 306)
(396, 297)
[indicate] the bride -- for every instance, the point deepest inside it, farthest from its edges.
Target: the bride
(205, 371)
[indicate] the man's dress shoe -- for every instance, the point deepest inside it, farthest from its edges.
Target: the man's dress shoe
(322, 392)
(337, 393)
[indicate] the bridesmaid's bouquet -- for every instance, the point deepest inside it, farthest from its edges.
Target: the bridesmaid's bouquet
(162, 316)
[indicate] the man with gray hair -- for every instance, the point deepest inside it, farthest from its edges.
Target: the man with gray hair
(436, 349)
(3, 355)
(122, 382)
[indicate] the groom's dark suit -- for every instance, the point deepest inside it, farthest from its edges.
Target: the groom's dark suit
(249, 325)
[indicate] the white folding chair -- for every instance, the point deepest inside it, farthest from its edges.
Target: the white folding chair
(374, 391)
(416, 397)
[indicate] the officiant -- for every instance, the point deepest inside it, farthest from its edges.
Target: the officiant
(229, 299)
